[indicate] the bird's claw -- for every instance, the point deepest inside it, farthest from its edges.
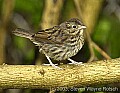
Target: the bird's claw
(49, 64)
(76, 63)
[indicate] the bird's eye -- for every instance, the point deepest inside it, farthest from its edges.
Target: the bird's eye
(74, 26)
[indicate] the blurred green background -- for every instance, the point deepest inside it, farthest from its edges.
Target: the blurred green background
(102, 18)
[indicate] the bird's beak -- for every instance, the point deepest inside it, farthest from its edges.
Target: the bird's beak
(83, 27)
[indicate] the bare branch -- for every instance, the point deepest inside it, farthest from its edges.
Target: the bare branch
(6, 12)
(103, 53)
(37, 76)
(92, 54)
(51, 13)
(93, 14)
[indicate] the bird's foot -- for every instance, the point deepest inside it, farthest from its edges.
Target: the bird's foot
(74, 62)
(49, 64)
(53, 65)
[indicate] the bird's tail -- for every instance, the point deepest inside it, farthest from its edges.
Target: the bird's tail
(22, 33)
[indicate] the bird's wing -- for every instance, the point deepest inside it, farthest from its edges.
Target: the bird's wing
(53, 35)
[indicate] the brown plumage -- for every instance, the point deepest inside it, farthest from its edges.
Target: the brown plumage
(59, 42)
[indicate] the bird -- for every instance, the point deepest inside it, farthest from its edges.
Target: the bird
(59, 42)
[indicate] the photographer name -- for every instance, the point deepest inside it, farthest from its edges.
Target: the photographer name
(95, 89)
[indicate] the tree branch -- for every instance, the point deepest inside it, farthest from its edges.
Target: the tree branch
(103, 53)
(93, 15)
(6, 12)
(46, 77)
